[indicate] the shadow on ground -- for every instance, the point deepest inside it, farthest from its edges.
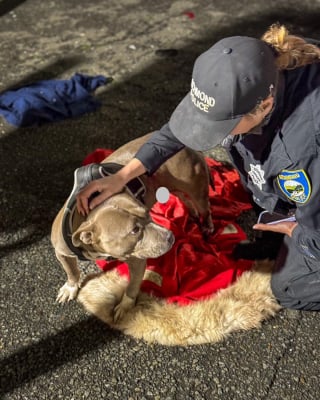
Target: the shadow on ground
(9, 5)
(53, 351)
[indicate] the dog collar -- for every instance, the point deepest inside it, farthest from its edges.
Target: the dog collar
(82, 176)
(135, 187)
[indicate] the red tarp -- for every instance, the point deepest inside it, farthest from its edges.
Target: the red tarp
(194, 268)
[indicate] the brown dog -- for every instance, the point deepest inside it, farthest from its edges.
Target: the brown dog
(121, 226)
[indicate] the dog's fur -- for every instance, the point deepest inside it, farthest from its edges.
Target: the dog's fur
(241, 306)
(121, 226)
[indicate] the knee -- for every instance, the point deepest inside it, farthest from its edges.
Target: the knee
(282, 293)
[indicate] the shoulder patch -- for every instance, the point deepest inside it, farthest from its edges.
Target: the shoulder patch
(295, 185)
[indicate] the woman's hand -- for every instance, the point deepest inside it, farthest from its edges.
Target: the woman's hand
(106, 187)
(280, 227)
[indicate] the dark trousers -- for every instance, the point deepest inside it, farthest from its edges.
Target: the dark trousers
(295, 281)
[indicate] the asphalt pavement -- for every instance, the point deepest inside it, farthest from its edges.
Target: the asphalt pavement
(49, 351)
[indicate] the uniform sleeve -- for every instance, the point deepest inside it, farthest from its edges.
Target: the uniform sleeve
(307, 234)
(160, 147)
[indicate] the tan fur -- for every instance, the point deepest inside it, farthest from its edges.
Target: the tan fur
(241, 306)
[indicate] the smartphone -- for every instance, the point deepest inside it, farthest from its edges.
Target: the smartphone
(273, 218)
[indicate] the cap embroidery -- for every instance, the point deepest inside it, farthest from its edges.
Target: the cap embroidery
(200, 99)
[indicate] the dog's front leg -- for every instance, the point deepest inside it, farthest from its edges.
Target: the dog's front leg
(136, 270)
(70, 289)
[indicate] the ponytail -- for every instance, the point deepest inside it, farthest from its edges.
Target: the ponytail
(291, 51)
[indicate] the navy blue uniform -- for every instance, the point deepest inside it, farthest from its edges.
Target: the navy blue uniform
(279, 164)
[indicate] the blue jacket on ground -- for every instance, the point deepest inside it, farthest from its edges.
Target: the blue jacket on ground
(51, 100)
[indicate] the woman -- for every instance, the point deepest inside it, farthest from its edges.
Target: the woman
(261, 100)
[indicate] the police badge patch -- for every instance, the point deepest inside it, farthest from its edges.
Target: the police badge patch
(295, 185)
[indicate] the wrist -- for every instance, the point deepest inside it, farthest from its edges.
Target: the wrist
(130, 171)
(291, 228)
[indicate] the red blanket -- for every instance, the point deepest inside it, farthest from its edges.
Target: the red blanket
(194, 268)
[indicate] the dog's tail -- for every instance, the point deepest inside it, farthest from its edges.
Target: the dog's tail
(241, 306)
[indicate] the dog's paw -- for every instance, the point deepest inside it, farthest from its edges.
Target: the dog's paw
(67, 292)
(123, 307)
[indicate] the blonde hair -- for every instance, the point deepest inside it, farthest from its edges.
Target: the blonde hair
(291, 51)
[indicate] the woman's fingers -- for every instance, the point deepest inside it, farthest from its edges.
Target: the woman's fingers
(104, 195)
(84, 196)
(106, 187)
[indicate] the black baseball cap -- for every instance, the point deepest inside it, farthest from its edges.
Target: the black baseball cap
(228, 81)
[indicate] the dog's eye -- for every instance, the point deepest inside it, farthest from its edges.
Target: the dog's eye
(135, 230)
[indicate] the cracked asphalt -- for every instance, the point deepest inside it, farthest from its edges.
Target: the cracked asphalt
(49, 351)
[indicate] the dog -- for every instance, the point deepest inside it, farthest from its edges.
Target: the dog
(121, 227)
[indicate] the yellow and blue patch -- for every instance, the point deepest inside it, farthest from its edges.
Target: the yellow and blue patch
(295, 185)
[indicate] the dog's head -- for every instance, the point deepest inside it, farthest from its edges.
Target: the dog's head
(121, 228)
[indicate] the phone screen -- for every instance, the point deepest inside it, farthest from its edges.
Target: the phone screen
(273, 218)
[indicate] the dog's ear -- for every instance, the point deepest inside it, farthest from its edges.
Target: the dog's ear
(83, 235)
(86, 237)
